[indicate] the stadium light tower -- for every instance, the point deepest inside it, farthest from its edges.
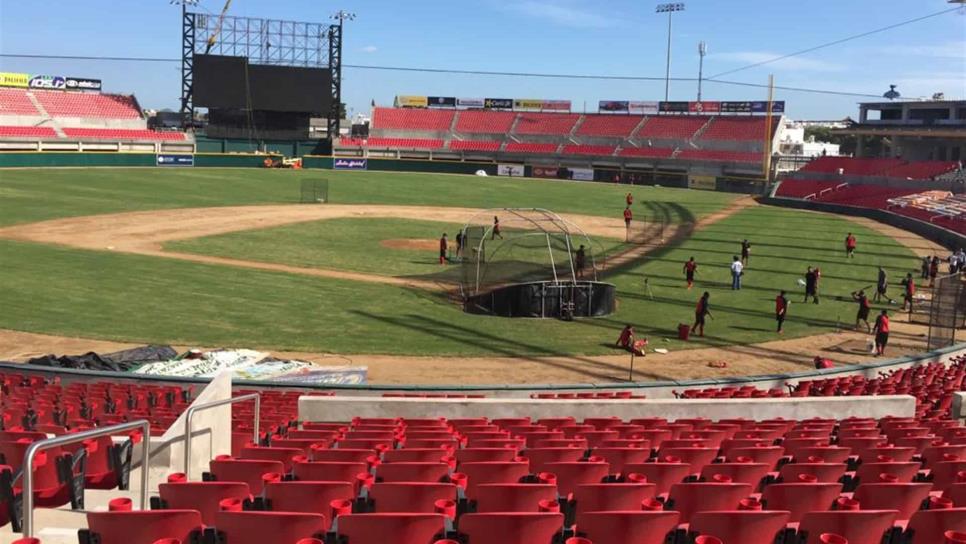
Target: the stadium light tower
(702, 51)
(669, 9)
(343, 15)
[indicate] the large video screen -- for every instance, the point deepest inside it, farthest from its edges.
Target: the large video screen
(233, 83)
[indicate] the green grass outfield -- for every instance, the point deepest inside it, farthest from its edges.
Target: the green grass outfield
(145, 299)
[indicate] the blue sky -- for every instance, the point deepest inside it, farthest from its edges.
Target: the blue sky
(613, 37)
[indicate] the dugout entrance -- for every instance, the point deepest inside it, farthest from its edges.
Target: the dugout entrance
(530, 262)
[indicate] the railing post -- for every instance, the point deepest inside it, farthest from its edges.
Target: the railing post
(34, 448)
(214, 404)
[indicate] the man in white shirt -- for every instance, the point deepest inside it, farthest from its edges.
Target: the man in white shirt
(736, 272)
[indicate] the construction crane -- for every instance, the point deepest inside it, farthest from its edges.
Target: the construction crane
(213, 37)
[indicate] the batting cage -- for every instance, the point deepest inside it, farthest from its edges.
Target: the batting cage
(947, 311)
(314, 191)
(530, 262)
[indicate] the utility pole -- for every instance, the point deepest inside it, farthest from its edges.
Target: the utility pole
(669, 9)
(702, 51)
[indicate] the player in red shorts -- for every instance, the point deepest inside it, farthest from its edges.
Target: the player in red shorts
(629, 199)
(850, 246)
(781, 310)
(690, 268)
(496, 228)
(628, 217)
(443, 246)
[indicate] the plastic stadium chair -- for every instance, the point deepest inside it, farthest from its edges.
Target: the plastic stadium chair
(414, 455)
(662, 475)
(634, 527)
(570, 475)
(307, 497)
(262, 527)
(618, 458)
(956, 493)
(324, 471)
(826, 473)
(492, 473)
(610, 497)
(201, 496)
(140, 527)
(688, 498)
(513, 497)
(696, 457)
(410, 497)
(945, 473)
(512, 527)
(857, 526)
(740, 526)
(412, 472)
(391, 528)
(539, 457)
(282, 455)
(341, 455)
(928, 526)
(485, 455)
(800, 498)
(248, 471)
(870, 472)
(741, 473)
(898, 455)
(904, 497)
(769, 455)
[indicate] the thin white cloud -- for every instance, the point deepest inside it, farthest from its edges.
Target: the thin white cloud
(369, 49)
(791, 63)
(948, 50)
(561, 13)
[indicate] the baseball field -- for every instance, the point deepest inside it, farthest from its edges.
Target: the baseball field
(228, 257)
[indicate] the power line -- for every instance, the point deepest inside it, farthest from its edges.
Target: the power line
(453, 71)
(837, 42)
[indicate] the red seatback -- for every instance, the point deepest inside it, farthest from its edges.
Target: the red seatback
(485, 455)
(800, 498)
(409, 497)
(512, 527)
(662, 475)
(869, 472)
(618, 458)
(412, 472)
(688, 498)
(539, 457)
(307, 497)
(248, 471)
(143, 525)
(492, 473)
(634, 527)
(742, 473)
(341, 455)
(570, 475)
(324, 471)
(904, 497)
(826, 473)
(857, 526)
(201, 496)
(744, 526)
(262, 527)
(928, 526)
(513, 497)
(282, 455)
(391, 528)
(611, 497)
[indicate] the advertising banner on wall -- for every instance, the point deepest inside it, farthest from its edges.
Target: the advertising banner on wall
(410, 101)
(762, 107)
(47, 82)
(180, 159)
(511, 170)
(441, 101)
(736, 107)
(469, 102)
(582, 174)
(556, 105)
(645, 107)
(674, 107)
(527, 104)
(613, 106)
(14, 79)
(544, 172)
(350, 164)
(704, 107)
(82, 84)
(498, 103)
(708, 183)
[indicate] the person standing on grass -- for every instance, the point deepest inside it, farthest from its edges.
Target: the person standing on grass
(745, 251)
(909, 291)
(737, 270)
(628, 217)
(781, 309)
(459, 244)
(580, 260)
(881, 286)
(881, 331)
(933, 270)
(926, 263)
(862, 316)
(629, 199)
(701, 311)
(690, 268)
(496, 228)
(443, 247)
(850, 246)
(811, 285)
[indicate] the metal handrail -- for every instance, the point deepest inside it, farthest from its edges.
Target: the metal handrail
(213, 404)
(28, 462)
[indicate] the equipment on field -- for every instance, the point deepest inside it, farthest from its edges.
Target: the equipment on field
(314, 191)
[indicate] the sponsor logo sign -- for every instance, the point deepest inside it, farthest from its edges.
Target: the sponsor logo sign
(170, 159)
(350, 164)
(642, 107)
(469, 102)
(498, 103)
(674, 107)
(582, 174)
(527, 104)
(82, 84)
(441, 101)
(704, 107)
(621, 106)
(14, 79)
(736, 107)
(544, 171)
(411, 101)
(555, 105)
(511, 170)
(762, 107)
(708, 183)
(47, 82)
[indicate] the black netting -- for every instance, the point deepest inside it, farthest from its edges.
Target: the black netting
(947, 311)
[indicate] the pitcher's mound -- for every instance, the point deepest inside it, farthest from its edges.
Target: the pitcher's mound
(415, 244)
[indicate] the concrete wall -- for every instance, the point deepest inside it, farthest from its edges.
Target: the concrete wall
(345, 408)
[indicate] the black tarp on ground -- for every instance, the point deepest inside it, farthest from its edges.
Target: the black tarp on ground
(119, 361)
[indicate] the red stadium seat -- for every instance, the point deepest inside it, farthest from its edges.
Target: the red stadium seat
(410, 497)
(610, 497)
(143, 527)
(634, 527)
(800, 498)
(492, 473)
(689, 498)
(512, 527)
(618, 458)
(482, 455)
(307, 497)
(412, 472)
(928, 526)
(740, 526)
(742, 473)
(857, 526)
(282, 455)
(539, 457)
(904, 497)
(201, 496)
(826, 473)
(570, 475)
(870, 472)
(662, 475)
(262, 527)
(513, 497)
(248, 471)
(391, 528)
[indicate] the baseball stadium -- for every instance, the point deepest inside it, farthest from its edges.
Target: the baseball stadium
(256, 317)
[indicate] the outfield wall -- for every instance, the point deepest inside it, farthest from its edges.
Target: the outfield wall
(49, 159)
(944, 237)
